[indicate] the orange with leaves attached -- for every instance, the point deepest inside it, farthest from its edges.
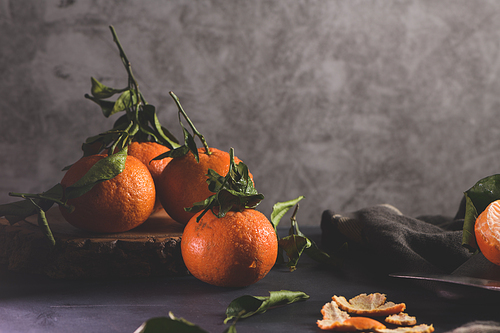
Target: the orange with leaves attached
(487, 231)
(184, 181)
(115, 205)
(236, 250)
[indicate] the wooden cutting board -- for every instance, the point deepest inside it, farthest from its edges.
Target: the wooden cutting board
(152, 249)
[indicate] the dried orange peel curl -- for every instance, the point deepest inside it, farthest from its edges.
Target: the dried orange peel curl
(422, 328)
(401, 319)
(334, 319)
(372, 305)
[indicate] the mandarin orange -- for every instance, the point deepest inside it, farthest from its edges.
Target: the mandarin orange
(184, 181)
(146, 152)
(115, 205)
(236, 250)
(487, 231)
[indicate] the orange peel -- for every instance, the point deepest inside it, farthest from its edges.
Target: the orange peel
(373, 305)
(401, 319)
(335, 319)
(422, 328)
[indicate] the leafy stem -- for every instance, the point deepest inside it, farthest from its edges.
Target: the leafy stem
(104, 169)
(34, 204)
(189, 139)
(195, 131)
(133, 84)
(44, 224)
(296, 243)
(140, 122)
(31, 196)
(235, 191)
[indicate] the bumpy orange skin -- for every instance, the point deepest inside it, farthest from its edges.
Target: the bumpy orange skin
(116, 205)
(487, 231)
(146, 152)
(184, 181)
(233, 251)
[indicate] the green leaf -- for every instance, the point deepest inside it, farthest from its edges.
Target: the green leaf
(468, 233)
(235, 191)
(478, 197)
(246, 306)
(318, 255)
(484, 192)
(105, 169)
(126, 101)
(173, 153)
(296, 243)
(189, 138)
(106, 106)
(190, 143)
(100, 91)
(169, 324)
(55, 192)
(164, 136)
(19, 210)
(281, 208)
(293, 245)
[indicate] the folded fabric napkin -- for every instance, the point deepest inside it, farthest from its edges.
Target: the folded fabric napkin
(390, 241)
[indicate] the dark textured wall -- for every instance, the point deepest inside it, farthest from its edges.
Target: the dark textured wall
(350, 103)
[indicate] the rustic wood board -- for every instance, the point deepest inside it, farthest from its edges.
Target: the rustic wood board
(152, 249)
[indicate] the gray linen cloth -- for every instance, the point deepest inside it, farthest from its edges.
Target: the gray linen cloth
(393, 242)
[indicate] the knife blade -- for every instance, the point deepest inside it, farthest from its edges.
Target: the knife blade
(455, 279)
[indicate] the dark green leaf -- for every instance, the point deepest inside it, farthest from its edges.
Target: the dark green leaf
(296, 243)
(106, 106)
(173, 153)
(100, 91)
(293, 245)
(215, 181)
(121, 123)
(468, 233)
(191, 144)
(246, 306)
(126, 101)
(180, 151)
(235, 191)
(17, 211)
(164, 136)
(56, 192)
(226, 200)
(281, 208)
(169, 324)
(484, 192)
(318, 255)
(105, 169)
(478, 197)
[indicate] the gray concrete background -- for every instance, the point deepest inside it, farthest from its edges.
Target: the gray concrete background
(350, 103)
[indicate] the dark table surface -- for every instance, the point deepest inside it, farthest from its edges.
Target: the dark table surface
(39, 304)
